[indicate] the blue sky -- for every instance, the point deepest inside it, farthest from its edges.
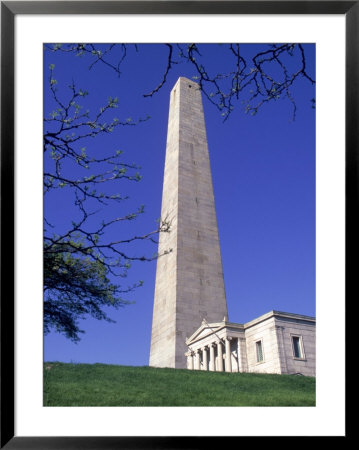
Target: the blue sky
(263, 170)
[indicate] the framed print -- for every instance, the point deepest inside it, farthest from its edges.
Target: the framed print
(314, 182)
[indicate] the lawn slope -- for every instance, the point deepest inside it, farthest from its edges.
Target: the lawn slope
(109, 385)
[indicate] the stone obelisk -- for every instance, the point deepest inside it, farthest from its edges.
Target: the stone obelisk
(189, 280)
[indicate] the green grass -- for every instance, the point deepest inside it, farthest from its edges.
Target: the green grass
(108, 385)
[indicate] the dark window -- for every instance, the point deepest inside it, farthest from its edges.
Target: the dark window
(259, 351)
(297, 350)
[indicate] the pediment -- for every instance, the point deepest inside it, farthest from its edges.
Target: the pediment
(203, 331)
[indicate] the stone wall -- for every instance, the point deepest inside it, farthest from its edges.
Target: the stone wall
(306, 332)
(263, 332)
(276, 333)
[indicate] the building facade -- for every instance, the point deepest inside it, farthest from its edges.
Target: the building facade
(276, 342)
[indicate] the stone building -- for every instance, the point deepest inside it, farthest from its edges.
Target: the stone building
(190, 327)
(276, 342)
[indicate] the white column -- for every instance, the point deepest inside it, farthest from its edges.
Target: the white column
(220, 356)
(212, 362)
(228, 355)
(198, 360)
(190, 360)
(204, 358)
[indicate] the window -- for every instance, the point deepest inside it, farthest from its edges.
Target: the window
(297, 347)
(259, 351)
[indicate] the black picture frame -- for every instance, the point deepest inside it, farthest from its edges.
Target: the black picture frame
(9, 9)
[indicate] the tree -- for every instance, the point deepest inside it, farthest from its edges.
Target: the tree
(255, 80)
(79, 261)
(81, 265)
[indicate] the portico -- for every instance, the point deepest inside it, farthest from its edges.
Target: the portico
(215, 347)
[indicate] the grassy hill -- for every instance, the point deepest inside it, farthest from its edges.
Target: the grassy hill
(109, 385)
